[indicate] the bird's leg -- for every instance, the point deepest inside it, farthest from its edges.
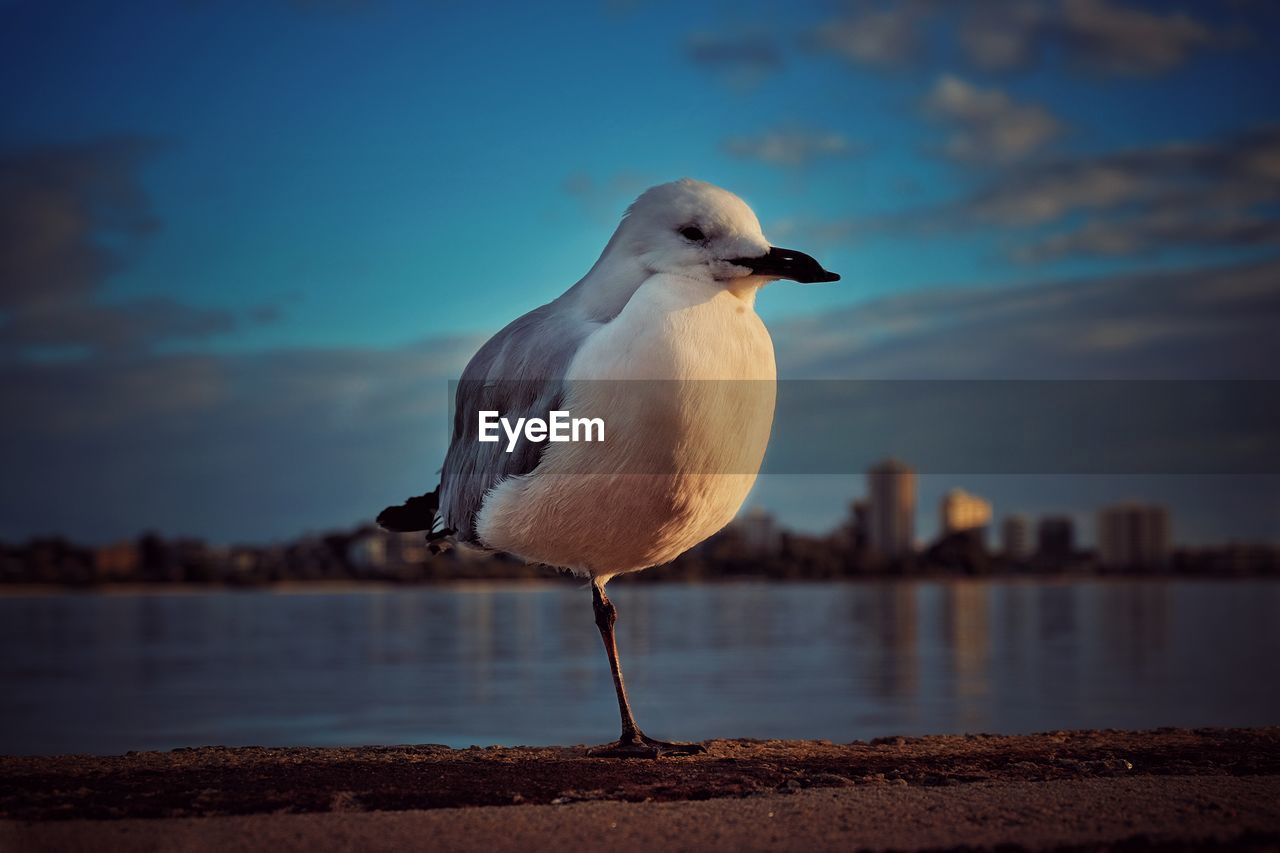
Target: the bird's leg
(606, 618)
(633, 743)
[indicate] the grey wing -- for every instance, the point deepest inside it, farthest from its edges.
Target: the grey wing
(519, 372)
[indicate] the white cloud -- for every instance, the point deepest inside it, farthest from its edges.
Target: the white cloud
(1096, 36)
(882, 37)
(1206, 323)
(1113, 38)
(791, 147)
(988, 126)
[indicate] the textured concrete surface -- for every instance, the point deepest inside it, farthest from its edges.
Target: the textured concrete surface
(1167, 789)
(1145, 812)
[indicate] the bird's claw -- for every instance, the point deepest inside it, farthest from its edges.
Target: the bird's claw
(643, 746)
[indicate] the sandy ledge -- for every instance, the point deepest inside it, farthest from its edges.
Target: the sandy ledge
(1166, 789)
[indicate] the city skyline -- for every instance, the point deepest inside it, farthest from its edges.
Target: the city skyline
(887, 514)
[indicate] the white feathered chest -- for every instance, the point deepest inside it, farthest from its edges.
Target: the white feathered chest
(684, 378)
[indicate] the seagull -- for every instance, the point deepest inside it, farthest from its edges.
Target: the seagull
(670, 303)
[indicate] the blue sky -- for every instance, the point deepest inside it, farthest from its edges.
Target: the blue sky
(384, 171)
(311, 177)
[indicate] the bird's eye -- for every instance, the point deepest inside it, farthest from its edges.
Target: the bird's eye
(693, 234)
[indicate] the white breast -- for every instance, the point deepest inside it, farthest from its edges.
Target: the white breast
(684, 379)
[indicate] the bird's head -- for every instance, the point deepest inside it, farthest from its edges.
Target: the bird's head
(696, 229)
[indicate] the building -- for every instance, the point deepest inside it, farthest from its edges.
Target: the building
(1015, 537)
(371, 551)
(891, 515)
(118, 561)
(1056, 537)
(760, 531)
(961, 511)
(407, 550)
(367, 550)
(859, 524)
(1133, 536)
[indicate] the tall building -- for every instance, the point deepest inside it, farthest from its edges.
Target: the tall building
(891, 515)
(1056, 537)
(1015, 537)
(859, 525)
(1133, 536)
(961, 511)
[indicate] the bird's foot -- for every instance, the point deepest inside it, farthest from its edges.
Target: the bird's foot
(640, 745)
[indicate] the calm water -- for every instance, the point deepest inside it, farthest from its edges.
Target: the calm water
(510, 665)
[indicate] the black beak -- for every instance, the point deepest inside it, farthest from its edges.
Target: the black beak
(787, 263)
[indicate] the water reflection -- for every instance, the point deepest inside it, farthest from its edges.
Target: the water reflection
(893, 670)
(524, 665)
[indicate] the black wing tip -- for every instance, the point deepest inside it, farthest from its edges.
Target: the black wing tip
(397, 519)
(415, 514)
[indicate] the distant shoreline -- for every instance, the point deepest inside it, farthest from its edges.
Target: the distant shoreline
(288, 587)
(30, 590)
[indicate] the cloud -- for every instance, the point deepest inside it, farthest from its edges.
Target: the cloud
(604, 199)
(1213, 193)
(1040, 195)
(1098, 36)
(818, 233)
(988, 125)
(584, 187)
(96, 329)
(1154, 232)
(1116, 39)
(57, 204)
(107, 432)
(236, 447)
(1003, 35)
(883, 36)
(1205, 323)
(791, 147)
(743, 59)
(256, 446)
(1217, 192)
(70, 217)
(1094, 36)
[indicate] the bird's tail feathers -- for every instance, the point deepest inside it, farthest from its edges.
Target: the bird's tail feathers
(420, 513)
